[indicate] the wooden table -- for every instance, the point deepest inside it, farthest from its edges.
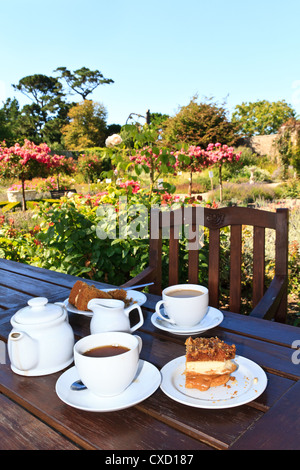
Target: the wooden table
(33, 417)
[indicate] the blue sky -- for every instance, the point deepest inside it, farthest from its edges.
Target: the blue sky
(159, 53)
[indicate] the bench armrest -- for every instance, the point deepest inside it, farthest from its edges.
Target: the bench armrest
(268, 305)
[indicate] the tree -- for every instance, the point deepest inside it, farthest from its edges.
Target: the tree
(194, 127)
(219, 155)
(42, 120)
(83, 81)
(10, 121)
(262, 117)
(199, 124)
(41, 89)
(87, 127)
(192, 159)
(65, 166)
(27, 161)
(157, 119)
(195, 159)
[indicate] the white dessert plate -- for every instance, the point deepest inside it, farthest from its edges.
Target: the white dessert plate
(137, 297)
(212, 318)
(146, 381)
(250, 382)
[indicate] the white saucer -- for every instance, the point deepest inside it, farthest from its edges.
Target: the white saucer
(250, 382)
(212, 318)
(138, 297)
(147, 380)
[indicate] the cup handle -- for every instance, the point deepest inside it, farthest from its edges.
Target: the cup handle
(140, 342)
(157, 310)
(140, 322)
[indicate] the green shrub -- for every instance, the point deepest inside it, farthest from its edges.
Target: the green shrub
(290, 189)
(91, 165)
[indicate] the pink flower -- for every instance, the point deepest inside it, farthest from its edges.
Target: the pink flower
(133, 184)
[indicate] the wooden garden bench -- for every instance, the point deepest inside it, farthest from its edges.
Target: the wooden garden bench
(58, 193)
(270, 303)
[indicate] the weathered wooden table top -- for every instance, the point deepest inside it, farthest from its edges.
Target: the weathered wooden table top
(33, 416)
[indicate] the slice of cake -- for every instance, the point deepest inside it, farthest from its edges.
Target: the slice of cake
(75, 291)
(82, 293)
(209, 363)
(118, 294)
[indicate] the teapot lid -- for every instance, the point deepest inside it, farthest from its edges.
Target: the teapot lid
(38, 311)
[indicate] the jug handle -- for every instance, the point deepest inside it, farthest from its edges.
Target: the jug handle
(141, 321)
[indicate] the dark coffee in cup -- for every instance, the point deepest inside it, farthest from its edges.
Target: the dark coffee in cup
(106, 351)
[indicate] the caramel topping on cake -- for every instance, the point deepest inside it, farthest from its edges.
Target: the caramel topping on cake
(208, 349)
(204, 382)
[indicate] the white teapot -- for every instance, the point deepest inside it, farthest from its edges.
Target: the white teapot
(110, 315)
(41, 341)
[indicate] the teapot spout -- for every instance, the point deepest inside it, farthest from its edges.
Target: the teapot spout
(22, 351)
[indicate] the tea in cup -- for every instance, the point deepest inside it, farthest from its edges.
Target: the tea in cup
(184, 304)
(107, 362)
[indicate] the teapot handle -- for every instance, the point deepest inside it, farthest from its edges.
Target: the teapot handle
(141, 321)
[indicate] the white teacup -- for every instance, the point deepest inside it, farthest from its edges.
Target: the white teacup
(109, 375)
(184, 304)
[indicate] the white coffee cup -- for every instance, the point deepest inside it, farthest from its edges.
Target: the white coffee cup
(110, 375)
(185, 311)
